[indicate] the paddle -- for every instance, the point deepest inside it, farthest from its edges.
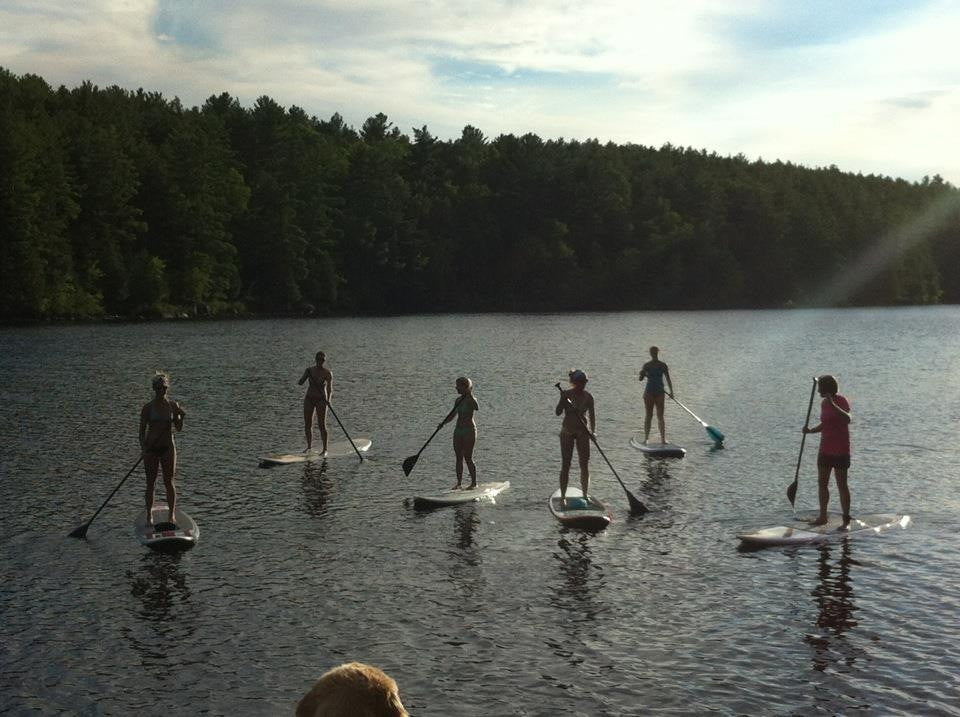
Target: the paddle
(636, 507)
(714, 433)
(792, 488)
(320, 388)
(411, 461)
(355, 449)
(81, 532)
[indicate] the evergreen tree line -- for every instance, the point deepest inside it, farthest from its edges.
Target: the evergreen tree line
(115, 202)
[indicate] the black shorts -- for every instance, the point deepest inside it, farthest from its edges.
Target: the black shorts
(824, 461)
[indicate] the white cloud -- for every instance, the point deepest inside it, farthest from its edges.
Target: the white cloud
(644, 72)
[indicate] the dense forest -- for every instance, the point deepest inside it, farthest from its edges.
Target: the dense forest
(122, 203)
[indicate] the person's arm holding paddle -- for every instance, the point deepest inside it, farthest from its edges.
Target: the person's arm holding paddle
(666, 375)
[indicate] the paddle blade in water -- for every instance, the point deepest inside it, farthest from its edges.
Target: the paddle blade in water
(715, 434)
(80, 532)
(636, 507)
(408, 464)
(792, 492)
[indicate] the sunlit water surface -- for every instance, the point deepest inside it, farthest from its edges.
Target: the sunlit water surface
(484, 609)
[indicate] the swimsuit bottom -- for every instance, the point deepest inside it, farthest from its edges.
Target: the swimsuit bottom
(464, 431)
(825, 461)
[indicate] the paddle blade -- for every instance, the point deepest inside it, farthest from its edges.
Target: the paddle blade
(715, 434)
(80, 532)
(792, 492)
(409, 463)
(636, 506)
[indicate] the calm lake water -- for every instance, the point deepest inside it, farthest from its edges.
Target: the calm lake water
(484, 609)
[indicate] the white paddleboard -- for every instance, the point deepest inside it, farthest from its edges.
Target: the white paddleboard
(483, 491)
(577, 512)
(183, 534)
(658, 450)
(802, 532)
(335, 449)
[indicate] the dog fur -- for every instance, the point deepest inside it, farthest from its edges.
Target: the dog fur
(352, 690)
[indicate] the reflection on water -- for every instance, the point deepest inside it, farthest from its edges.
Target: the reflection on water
(479, 610)
(465, 522)
(316, 488)
(163, 594)
(575, 598)
(580, 578)
(658, 472)
(465, 566)
(833, 596)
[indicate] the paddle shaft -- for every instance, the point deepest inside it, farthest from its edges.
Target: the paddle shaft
(82, 531)
(698, 419)
(792, 488)
(714, 433)
(412, 460)
(355, 449)
(635, 503)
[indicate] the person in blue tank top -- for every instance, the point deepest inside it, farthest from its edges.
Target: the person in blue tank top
(655, 371)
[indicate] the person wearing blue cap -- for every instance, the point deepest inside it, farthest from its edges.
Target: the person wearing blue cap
(654, 371)
(579, 422)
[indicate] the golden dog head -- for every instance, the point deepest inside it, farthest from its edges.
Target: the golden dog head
(352, 690)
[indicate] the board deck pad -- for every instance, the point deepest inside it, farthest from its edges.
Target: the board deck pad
(800, 532)
(655, 449)
(335, 449)
(162, 535)
(579, 512)
(483, 491)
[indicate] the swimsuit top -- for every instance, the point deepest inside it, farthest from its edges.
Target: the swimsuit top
(466, 405)
(655, 371)
(156, 415)
(315, 385)
(574, 412)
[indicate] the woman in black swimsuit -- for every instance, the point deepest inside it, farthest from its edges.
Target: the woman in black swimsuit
(158, 418)
(316, 400)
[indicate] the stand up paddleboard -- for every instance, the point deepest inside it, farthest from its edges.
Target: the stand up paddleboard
(164, 536)
(802, 532)
(483, 491)
(658, 450)
(335, 449)
(577, 512)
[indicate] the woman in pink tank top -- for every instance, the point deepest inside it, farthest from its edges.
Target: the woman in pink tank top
(834, 430)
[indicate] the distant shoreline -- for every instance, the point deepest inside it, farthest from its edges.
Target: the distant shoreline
(28, 323)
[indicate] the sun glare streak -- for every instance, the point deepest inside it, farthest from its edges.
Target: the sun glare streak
(887, 250)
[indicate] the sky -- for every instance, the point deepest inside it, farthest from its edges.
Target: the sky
(870, 86)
